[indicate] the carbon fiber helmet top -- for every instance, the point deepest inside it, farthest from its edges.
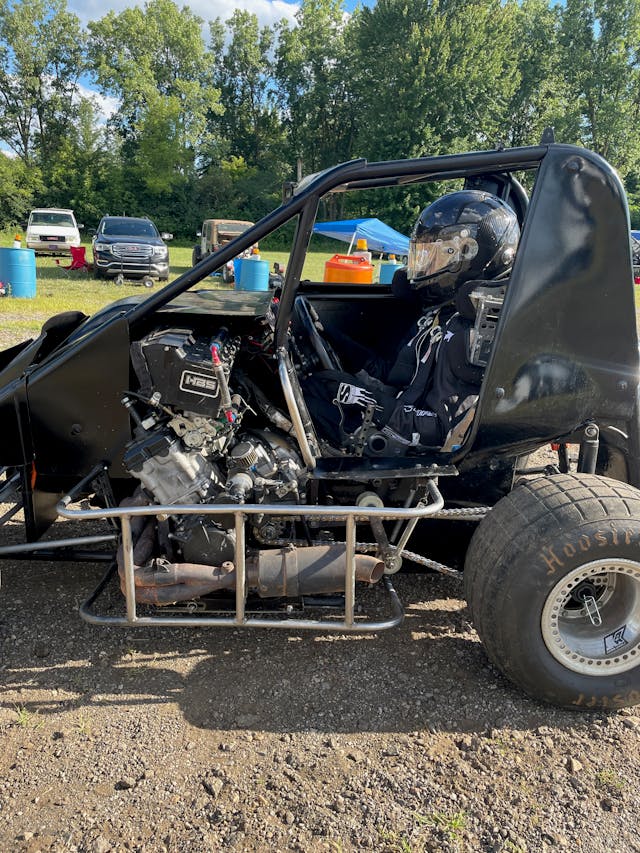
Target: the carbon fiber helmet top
(462, 236)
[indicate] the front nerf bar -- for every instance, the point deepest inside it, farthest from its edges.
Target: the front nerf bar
(351, 514)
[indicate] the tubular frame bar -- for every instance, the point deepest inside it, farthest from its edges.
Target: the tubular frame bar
(32, 547)
(351, 515)
(284, 366)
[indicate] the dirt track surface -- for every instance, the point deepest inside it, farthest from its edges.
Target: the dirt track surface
(205, 740)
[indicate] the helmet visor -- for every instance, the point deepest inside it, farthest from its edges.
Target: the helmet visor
(430, 257)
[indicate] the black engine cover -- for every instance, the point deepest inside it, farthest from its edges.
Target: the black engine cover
(205, 541)
(182, 371)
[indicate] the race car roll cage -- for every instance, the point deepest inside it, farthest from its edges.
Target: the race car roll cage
(559, 366)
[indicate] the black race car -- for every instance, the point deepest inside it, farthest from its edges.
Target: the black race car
(182, 419)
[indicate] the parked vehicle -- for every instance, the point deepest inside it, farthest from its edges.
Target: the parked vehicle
(635, 255)
(216, 233)
(52, 231)
(130, 247)
(232, 511)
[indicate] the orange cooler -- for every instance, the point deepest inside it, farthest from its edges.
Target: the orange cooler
(348, 269)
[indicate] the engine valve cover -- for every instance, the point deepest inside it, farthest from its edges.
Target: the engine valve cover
(182, 371)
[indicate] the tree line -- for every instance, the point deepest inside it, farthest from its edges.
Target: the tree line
(210, 118)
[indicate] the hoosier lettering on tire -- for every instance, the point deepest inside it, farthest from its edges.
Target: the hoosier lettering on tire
(552, 579)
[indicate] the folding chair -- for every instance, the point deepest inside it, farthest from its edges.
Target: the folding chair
(78, 260)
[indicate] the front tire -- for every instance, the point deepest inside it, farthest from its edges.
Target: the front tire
(552, 579)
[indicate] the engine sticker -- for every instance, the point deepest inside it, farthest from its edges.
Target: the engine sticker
(198, 383)
(615, 640)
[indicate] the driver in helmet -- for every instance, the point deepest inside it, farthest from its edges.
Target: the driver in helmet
(426, 395)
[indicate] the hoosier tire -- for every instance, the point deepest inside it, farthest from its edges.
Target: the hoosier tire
(552, 580)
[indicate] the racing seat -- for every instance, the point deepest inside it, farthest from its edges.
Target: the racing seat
(78, 263)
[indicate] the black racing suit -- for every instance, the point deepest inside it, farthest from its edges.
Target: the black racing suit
(424, 398)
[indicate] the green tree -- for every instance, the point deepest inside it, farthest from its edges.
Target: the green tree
(434, 77)
(42, 55)
(600, 56)
(86, 175)
(538, 98)
(250, 120)
(19, 184)
(313, 75)
(154, 51)
(154, 60)
(245, 164)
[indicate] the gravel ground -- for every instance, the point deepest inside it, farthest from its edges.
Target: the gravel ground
(192, 740)
(185, 740)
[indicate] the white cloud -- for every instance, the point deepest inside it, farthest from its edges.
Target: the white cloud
(105, 105)
(268, 11)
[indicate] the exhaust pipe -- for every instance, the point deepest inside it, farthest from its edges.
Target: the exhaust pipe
(162, 582)
(314, 570)
(276, 573)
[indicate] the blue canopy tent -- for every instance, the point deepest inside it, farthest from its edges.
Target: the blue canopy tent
(379, 237)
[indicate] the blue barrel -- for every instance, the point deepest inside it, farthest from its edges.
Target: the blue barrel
(18, 271)
(254, 275)
(387, 271)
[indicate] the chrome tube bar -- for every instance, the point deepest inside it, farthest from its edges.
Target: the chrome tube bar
(280, 510)
(350, 514)
(294, 411)
(129, 571)
(241, 578)
(56, 543)
(350, 573)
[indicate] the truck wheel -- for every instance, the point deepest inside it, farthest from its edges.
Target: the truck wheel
(552, 579)
(196, 255)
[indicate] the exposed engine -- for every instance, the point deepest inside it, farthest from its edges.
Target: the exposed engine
(190, 447)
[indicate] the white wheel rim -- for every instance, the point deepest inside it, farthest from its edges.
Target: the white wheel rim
(601, 635)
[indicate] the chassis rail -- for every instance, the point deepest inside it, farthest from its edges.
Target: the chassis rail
(431, 505)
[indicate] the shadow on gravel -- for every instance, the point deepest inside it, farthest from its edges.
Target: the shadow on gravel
(429, 673)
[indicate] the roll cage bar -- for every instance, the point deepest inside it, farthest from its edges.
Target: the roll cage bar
(353, 175)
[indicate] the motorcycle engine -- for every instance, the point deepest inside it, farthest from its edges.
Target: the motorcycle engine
(189, 446)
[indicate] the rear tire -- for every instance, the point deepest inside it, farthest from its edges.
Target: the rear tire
(552, 579)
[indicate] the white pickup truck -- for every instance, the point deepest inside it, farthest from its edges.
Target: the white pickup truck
(52, 231)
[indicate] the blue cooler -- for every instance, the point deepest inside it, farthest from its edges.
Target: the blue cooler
(253, 275)
(387, 271)
(18, 271)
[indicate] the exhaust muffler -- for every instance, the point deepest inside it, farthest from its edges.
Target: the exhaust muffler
(275, 573)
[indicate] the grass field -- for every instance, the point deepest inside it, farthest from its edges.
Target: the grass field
(57, 290)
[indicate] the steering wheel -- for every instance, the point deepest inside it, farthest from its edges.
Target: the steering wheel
(315, 352)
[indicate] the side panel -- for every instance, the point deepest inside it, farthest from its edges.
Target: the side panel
(567, 347)
(77, 419)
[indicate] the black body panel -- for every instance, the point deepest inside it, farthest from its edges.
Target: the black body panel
(76, 415)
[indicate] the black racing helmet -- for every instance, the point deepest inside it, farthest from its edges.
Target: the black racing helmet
(462, 236)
